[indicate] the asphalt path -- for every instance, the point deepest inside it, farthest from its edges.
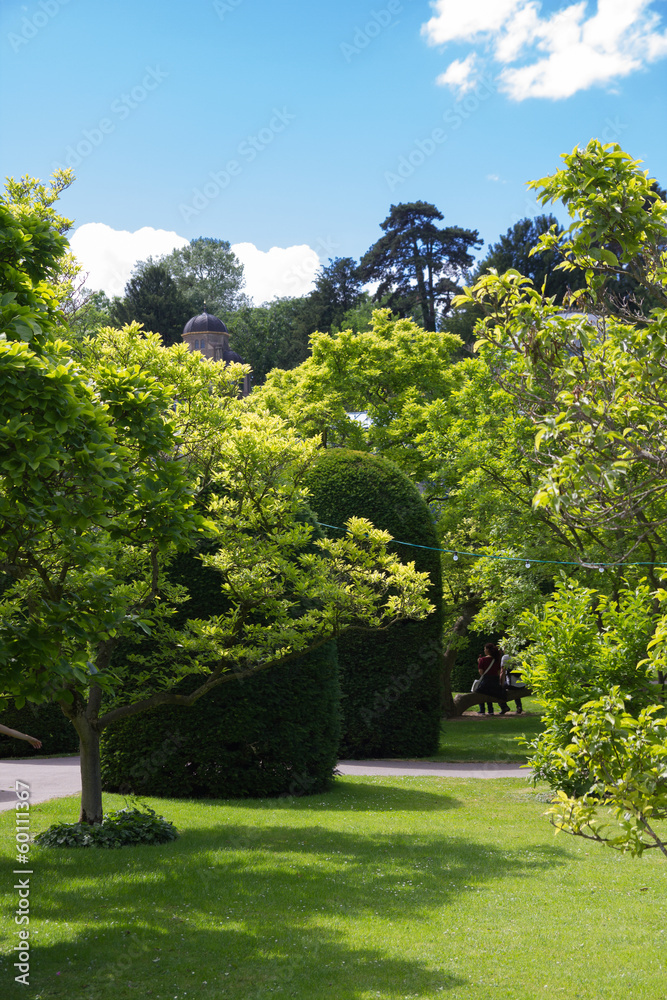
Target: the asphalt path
(56, 777)
(46, 778)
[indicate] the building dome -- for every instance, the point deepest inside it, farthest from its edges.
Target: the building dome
(205, 323)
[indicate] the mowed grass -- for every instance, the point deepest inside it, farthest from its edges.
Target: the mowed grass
(471, 737)
(384, 888)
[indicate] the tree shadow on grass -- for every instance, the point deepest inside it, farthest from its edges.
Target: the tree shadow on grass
(289, 904)
(372, 795)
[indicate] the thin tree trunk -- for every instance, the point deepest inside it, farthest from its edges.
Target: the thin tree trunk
(91, 773)
(468, 612)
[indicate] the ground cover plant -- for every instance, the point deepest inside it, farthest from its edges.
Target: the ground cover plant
(379, 890)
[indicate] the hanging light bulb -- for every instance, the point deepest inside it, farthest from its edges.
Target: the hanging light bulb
(527, 565)
(455, 556)
(600, 569)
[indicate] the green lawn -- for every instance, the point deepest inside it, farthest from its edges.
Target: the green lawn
(471, 737)
(384, 888)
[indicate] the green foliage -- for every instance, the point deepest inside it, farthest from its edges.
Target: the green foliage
(208, 274)
(273, 335)
(31, 252)
(516, 251)
(583, 643)
(273, 733)
(380, 371)
(624, 755)
(390, 678)
(619, 218)
(92, 313)
(121, 828)
(104, 466)
(46, 721)
(338, 289)
(153, 299)
(276, 733)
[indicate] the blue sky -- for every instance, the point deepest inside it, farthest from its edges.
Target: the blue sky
(295, 126)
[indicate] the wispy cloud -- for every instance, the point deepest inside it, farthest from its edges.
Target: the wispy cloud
(578, 46)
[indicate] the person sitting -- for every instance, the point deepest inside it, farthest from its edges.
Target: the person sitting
(511, 679)
(489, 666)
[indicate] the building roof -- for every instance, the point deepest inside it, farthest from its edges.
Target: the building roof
(205, 323)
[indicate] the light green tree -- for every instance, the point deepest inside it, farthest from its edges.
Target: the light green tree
(105, 469)
(593, 386)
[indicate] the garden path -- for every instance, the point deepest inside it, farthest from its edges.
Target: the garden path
(56, 777)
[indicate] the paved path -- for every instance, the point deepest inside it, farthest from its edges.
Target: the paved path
(56, 777)
(432, 768)
(49, 778)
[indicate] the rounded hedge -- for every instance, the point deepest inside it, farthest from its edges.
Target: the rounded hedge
(390, 679)
(276, 733)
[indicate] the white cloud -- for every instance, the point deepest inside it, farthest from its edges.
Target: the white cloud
(109, 256)
(461, 75)
(455, 21)
(278, 271)
(572, 49)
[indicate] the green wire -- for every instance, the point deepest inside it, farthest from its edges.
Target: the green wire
(528, 561)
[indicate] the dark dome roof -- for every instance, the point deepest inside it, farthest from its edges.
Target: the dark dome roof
(205, 323)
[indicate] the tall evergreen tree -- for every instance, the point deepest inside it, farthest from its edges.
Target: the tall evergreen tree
(418, 265)
(152, 298)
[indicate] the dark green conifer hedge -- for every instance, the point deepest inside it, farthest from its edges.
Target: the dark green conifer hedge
(390, 679)
(273, 734)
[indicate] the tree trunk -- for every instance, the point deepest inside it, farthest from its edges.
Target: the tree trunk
(464, 701)
(468, 612)
(91, 774)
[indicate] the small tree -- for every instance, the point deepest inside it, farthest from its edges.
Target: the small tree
(208, 274)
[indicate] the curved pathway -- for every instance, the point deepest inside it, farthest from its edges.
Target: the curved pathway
(56, 777)
(433, 768)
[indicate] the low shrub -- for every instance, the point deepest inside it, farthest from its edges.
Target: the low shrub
(120, 828)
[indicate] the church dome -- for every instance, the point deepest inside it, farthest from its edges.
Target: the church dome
(205, 323)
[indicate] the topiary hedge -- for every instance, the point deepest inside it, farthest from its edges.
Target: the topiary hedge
(46, 722)
(389, 678)
(273, 734)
